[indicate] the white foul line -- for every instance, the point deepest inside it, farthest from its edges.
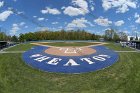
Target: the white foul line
(127, 51)
(11, 52)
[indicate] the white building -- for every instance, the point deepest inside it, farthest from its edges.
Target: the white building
(134, 37)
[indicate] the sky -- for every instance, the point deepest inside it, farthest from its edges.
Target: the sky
(94, 16)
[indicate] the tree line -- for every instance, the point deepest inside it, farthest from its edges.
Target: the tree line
(113, 35)
(4, 37)
(58, 35)
(110, 35)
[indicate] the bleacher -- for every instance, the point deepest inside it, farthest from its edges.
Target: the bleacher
(3, 44)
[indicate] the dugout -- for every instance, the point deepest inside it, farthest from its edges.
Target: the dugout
(137, 44)
(3, 44)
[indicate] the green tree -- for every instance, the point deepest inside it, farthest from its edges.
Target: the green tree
(58, 35)
(123, 36)
(14, 38)
(22, 38)
(3, 36)
(109, 34)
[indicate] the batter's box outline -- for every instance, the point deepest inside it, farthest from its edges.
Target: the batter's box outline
(68, 50)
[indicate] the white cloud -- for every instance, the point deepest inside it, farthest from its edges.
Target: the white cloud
(137, 16)
(26, 27)
(41, 19)
(119, 23)
(20, 12)
(78, 23)
(63, 7)
(15, 28)
(34, 16)
(79, 7)
(22, 23)
(91, 5)
(121, 5)
(4, 15)
(72, 11)
(1, 3)
(54, 23)
(138, 20)
(52, 11)
(102, 21)
(81, 4)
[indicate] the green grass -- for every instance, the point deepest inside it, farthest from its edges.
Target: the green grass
(117, 47)
(21, 47)
(17, 77)
(69, 44)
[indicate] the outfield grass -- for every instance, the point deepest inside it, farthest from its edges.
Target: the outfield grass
(17, 77)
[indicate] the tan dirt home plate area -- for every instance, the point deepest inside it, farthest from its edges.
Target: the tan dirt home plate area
(70, 50)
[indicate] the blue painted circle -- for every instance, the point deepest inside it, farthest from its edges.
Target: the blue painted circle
(83, 66)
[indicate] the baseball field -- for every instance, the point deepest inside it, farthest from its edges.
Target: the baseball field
(17, 77)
